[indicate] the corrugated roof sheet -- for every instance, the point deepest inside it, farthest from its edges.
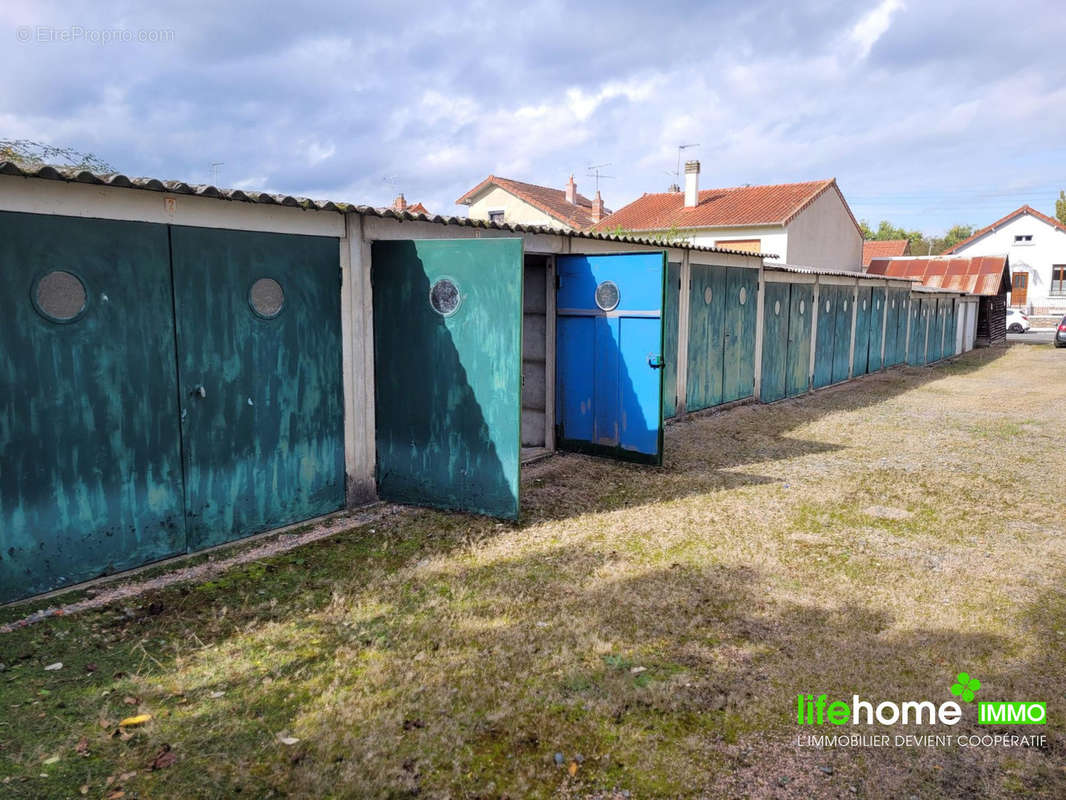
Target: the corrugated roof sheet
(983, 275)
(73, 175)
(843, 273)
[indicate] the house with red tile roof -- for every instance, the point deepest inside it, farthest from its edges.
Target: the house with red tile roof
(805, 224)
(884, 248)
(505, 200)
(401, 204)
(1036, 244)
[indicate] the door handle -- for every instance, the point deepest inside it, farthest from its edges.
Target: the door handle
(200, 391)
(655, 362)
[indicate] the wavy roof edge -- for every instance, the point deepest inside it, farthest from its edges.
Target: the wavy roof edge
(915, 284)
(118, 180)
(842, 273)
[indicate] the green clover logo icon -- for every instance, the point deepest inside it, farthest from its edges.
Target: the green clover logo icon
(965, 687)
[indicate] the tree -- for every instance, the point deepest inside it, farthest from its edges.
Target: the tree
(1060, 207)
(672, 235)
(955, 234)
(920, 244)
(27, 153)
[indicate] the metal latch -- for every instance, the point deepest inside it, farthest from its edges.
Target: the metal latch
(656, 361)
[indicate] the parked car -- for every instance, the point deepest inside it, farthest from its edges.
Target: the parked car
(1060, 334)
(1017, 322)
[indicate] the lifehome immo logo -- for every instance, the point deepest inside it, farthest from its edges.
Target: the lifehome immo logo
(815, 710)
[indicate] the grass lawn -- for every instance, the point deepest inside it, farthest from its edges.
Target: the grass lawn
(652, 627)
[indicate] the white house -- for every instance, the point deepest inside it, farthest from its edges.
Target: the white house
(807, 224)
(509, 202)
(1036, 244)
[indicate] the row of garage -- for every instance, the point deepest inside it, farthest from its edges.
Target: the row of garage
(182, 367)
(783, 331)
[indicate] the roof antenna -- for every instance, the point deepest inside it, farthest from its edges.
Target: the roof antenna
(216, 171)
(594, 172)
(680, 147)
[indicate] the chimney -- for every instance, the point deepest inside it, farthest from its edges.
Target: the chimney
(571, 192)
(400, 203)
(692, 184)
(597, 207)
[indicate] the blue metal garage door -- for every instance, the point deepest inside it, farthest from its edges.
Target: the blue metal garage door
(609, 355)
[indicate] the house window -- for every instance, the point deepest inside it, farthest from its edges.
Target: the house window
(745, 245)
(496, 216)
(1026, 238)
(1058, 280)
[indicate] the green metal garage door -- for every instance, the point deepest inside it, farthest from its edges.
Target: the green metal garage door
(901, 313)
(259, 359)
(876, 329)
(447, 363)
(919, 323)
(707, 289)
(738, 377)
(90, 465)
(775, 340)
(842, 334)
(801, 308)
(671, 307)
(863, 310)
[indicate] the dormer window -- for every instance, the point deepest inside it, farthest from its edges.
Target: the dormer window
(1025, 238)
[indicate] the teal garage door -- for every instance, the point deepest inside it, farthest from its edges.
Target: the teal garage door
(952, 335)
(842, 334)
(828, 301)
(447, 364)
(707, 291)
(902, 334)
(90, 464)
(876, 329)
(738, 375)
(893, 309)
(936, 346)
(863, 312)
(801, 302)
(775, 341)
(942, 325)
(260, 385)
(916, 345)
(671, 307)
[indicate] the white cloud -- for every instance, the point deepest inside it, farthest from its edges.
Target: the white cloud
(330, 104)
(872, 26)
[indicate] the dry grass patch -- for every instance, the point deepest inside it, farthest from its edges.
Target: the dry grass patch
(642, 630)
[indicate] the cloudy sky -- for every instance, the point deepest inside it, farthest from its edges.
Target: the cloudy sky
(928, 113)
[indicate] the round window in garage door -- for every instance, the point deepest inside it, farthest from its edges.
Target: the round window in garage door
(60, 296)
(608, 296)
(267, 298)
(444, 296)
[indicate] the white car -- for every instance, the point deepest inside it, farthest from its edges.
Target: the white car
(1017, 322)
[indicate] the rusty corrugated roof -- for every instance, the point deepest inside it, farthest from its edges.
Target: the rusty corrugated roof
(74, 175)
(983, 275)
